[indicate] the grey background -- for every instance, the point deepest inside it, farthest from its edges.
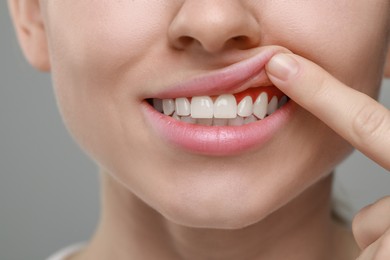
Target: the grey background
(49, 188)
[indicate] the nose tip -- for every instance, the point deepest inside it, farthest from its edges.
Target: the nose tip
(214, 26)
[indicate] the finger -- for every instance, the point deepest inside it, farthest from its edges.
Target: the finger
(369, 252)
(355, 116)
(371, 222)
(378, 250)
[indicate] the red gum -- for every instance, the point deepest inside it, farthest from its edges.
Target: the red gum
(255, 92)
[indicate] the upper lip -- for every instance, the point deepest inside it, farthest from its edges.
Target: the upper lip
(231, 79)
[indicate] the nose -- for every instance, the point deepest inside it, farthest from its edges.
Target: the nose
(213, 26)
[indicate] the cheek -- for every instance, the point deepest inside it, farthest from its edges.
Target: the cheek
(91, 50)
(103, 38)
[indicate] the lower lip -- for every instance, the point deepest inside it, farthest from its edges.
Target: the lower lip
(217, 140)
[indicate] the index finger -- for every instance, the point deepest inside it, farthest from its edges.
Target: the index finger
(358, 118)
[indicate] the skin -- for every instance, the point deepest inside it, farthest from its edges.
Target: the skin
(105, 60)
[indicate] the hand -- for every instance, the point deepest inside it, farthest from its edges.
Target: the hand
(371, 228)
(360, 120)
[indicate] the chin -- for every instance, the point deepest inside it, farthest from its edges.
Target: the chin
(235, 199)
(223, 205)
(232, 217)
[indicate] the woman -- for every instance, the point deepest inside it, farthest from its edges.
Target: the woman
(183, 105)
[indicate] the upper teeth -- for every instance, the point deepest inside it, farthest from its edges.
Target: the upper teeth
(223, 108)
(260, 107)
(245, 107)
(202, 107)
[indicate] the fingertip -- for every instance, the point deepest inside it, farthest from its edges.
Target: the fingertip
(282, 67)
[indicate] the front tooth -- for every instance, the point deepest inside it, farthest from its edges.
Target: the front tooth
(183, 107)
(225, 106)
(273, 105)
(260, 106)
(220, 121)
(202, 107)
(245, 107)
(238, 121)
(168, 106)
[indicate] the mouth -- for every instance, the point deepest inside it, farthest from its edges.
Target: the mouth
(223, 113)
(248, 106)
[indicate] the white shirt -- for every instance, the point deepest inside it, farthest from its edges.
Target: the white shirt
(66, 252)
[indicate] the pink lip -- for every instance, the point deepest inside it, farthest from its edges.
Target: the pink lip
(217, 140)
(231, 79)
(220, 140)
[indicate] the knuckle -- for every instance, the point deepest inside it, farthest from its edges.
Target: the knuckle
(368, 123)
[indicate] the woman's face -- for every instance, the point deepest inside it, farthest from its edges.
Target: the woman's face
(108, 57)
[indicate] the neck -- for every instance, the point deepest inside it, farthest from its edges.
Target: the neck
(130, 229)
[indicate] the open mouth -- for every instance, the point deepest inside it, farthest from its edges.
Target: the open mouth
(237, 109)
(221, 113)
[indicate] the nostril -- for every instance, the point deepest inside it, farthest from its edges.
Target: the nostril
(241, 42)
(184, 41)
(211, 25)
(239, 38)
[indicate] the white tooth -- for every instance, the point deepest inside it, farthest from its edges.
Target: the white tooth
(168, 106)
(183, 107)
(250, 119)
(220, 121)
(245, 107)
(225, 106)
(202, 107)
(157, 104)
(175, 116)
(260, 106)
(236, 121)
(273, 105)
(205, 121)
(282, 101)
(188, 119)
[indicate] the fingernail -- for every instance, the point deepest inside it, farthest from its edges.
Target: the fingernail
(282, 66)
